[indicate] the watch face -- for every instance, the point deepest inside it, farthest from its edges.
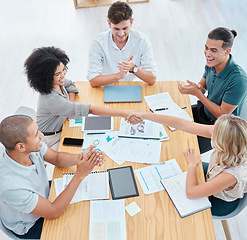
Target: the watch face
(135, 69)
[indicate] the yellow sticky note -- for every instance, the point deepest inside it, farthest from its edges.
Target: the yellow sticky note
(132, 209)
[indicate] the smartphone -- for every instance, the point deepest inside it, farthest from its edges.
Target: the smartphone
(73, 142)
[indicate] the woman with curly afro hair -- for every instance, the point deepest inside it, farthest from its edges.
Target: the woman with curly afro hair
(46, 68)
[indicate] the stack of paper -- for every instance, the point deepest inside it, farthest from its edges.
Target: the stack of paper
(127, 149)
(162, 103)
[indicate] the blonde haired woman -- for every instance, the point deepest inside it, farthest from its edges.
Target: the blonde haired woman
(226, 173)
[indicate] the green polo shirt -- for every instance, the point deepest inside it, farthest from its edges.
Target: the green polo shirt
(229, 86)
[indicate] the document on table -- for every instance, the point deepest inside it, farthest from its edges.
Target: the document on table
(149, 177)
(163, 104)
(101, 140)
(107, 220)
(145, 129)
(176, 189)
(133, 150)
(93, 186)
(75, 122)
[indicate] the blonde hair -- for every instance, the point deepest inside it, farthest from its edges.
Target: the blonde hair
(230, 140)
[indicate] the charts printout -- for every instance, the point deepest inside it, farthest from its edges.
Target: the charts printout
(107, 220)
(164, 101)
(149, 177)
(133, 150)
(100, 140)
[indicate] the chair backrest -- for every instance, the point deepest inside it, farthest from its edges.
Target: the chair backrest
(22, 110)
(242, 204)
(243, 113)
(7, 231)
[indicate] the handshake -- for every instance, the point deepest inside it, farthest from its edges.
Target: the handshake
(134, 117)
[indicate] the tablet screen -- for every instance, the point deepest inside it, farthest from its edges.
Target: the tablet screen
(122, 182)
(98, 124)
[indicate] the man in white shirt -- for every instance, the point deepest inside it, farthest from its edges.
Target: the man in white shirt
(121, 53)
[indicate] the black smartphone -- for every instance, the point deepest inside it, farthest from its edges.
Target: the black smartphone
(73, 142)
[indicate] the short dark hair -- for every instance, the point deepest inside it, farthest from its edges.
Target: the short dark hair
(13, 130)
(41, 65)
(119, 11)
(224, 34)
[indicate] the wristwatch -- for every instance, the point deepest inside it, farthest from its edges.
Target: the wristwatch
(134, 70)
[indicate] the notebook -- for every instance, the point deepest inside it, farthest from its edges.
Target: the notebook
(123, 93)
(94, 186)
(176, 189)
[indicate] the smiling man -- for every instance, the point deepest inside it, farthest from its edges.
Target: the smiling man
(24, 186)
(224, 81)
(121, 53)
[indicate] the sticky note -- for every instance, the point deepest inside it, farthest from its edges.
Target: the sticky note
(132, 209)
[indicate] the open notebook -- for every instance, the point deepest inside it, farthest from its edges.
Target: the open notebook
(94, 186)
(176, 189)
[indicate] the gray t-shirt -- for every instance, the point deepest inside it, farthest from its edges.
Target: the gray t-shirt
(54, 108)
(20, 187)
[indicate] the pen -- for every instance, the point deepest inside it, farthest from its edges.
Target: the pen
(160, 109)
(95, 133)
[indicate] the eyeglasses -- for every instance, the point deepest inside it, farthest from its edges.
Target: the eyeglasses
(59, 73)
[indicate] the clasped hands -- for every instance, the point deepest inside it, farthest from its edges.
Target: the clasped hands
(125, 67)
(190, 88)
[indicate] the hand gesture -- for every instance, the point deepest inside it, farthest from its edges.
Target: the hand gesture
(126, 66)
(87, 161)
(134, 117)
(191, 157)
(190, 88)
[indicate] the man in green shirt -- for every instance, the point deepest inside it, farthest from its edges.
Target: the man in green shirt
(224, 81)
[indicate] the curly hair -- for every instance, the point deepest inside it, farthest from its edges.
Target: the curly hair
(41, 65)
(119, 11)
(13, 130)
(230, 140)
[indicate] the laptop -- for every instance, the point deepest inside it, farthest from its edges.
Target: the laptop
(123, 93)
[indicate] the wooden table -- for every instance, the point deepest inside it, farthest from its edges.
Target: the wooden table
(96, 3)
(158, 219)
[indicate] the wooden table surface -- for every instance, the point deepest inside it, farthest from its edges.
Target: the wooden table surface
(158, 218)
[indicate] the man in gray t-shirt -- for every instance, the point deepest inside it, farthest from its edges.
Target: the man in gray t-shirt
(24, 186)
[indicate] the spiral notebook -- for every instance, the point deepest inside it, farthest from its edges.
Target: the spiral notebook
(94, 186)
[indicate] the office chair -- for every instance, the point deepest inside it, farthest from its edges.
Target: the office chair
(22, 110)
(243, 113)
(242, 204)
(7, 232)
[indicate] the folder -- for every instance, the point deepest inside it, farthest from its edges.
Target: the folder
(123, 93)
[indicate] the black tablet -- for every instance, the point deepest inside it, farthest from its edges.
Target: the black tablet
(94, 123)
(122, 182)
